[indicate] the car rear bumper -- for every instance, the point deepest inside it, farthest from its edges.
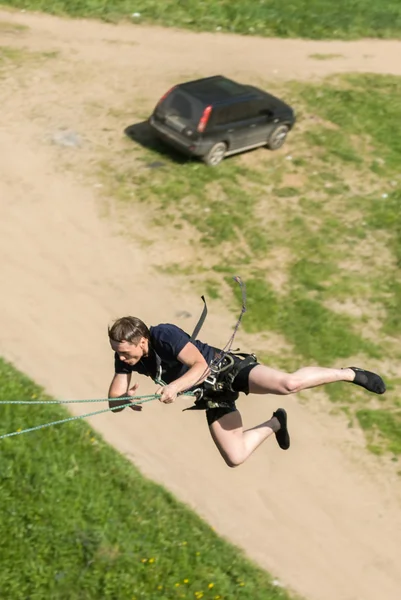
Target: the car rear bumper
(178, 141)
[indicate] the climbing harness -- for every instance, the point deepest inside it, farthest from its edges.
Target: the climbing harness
(217, 389)
(229, 368)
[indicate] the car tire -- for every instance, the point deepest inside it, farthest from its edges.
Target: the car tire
(216, 154)
(277, 137)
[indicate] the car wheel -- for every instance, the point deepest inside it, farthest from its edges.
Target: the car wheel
(215, 154)
(277, 137)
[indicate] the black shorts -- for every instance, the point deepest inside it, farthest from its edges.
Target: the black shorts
(240, 384)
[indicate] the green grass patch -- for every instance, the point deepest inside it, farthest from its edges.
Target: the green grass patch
(334, 145)
(383, 429)
(12, 55)
(7, 27)
(359, 105)
(216, 205)
(80, 522)
(315, 19)
(319, 56)
(19, 57)
(392, 323)
(316, 333)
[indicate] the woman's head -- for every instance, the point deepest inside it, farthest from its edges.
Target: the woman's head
(128, 329)
(129, 338)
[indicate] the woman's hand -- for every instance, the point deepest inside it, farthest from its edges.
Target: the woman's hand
(168, 393)
(116, 402)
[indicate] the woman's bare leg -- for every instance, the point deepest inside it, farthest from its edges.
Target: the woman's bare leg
(236, 445)
(265, 380)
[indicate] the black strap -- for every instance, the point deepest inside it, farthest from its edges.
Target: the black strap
(200, 322)
(247, 359)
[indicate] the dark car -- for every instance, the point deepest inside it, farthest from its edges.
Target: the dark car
(215, 117)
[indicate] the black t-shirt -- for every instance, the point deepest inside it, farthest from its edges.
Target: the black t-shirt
(166, 341)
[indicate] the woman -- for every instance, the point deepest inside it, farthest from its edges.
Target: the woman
(166, 353)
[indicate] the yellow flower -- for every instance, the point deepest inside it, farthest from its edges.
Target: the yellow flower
(151, 560)
(241, 583)
(186, 580)
(210, 586)
(217, 597)
(159, 587)
(177, 584)
(199, 594)
(144, 560)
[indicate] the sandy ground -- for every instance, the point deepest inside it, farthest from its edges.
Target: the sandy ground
(323, 518)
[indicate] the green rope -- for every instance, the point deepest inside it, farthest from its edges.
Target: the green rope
(75, 401)
(139, 400)
(98, 412)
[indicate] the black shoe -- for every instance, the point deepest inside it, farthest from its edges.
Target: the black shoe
(282, 435)
(369, 381)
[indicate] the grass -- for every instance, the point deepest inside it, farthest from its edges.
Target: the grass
(320, 56)
(382, 429)
(7, 27)
(314, 19)
(314, 230)
(17, 57)
(315, 332)
(12, 55)
(80, 522)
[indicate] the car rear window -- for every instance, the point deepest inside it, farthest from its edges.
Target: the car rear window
(215, 89)
(180, 104)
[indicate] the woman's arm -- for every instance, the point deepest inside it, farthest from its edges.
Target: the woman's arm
(119, 387)
(197, 372)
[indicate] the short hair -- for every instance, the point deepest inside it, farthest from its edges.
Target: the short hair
(128, 329)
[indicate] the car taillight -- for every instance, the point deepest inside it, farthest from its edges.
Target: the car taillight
(162, 99)
(204, 119)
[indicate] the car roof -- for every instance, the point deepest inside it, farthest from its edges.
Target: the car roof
(217, 89)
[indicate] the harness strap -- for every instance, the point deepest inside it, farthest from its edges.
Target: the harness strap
(200, 322)
(207, 403)
(232, 373)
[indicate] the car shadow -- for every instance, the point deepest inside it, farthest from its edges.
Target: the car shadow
(142, 134)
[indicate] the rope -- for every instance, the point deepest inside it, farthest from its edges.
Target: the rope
(98, 412)
(140, 400)
(151, 396)
(229, 344)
